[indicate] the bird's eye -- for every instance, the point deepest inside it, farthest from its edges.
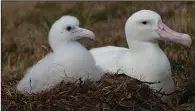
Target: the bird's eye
(69, 28)
(144, 22)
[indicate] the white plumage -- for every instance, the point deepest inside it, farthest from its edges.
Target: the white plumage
(68, 61)
(143, 59)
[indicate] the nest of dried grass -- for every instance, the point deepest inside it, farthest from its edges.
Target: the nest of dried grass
(116, 92)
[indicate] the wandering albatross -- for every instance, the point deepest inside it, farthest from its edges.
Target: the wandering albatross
(143, 59)
(68, 61)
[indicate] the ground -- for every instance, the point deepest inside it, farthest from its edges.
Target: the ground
(25, 27)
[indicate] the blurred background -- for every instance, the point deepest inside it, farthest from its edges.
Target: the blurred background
(25, 27)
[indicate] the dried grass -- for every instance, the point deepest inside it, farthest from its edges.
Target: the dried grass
(24, 41)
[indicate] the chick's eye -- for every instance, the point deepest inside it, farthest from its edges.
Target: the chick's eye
(69, 28)
(144, 22)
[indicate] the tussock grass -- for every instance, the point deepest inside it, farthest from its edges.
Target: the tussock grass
(25, 26)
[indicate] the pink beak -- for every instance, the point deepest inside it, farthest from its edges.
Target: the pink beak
(166, 33)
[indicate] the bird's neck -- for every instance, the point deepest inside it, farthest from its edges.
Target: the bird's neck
(148, 59)
(147, 51)
(70, 46)
(141, 47)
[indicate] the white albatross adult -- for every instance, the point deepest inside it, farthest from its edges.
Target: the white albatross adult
(144, 59)
(68, 61)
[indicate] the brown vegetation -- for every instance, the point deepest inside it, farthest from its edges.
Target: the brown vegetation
(24, 41)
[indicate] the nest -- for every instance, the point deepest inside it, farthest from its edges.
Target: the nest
(114, 92)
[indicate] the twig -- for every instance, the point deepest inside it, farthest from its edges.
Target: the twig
(80, 82)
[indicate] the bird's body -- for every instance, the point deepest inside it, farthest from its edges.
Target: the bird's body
(143, 59)
(151, 59)
(109, 58)
(69, 61)
(150, 65)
